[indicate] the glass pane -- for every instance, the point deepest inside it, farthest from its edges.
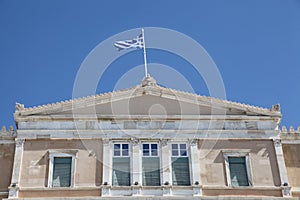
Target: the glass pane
(174, 146)
(154, 152)
(125, 152)
(151, 171)
(62, 172)
(183, 153)
(146, 152)
(154, 146)
(174, 152)
(145, 146)
(121, 171)
(183, 146)
(125, 146)
(117, 153)
(181, 171)
(238, 171)
(117, 146)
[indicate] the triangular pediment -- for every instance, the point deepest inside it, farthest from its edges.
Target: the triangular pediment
(146, 100)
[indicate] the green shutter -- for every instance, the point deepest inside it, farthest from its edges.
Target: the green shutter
(62, 172)
(181, 171)
(121, 171)
(238, 171)
(151, 171)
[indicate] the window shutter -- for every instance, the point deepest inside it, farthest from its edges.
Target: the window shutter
(238, 171)
(181, 171)
(121, 171)
(62, 172)
(151, 171)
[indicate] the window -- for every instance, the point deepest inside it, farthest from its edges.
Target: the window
(237, 169)
(121, 165)
(180, 165)
(151, 165)
(61, 168)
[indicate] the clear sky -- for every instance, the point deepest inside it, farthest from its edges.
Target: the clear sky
(255, 45)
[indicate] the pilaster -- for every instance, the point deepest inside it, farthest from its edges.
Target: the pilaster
(107, 167)
(195, 168)
(286, 190)
(15, 180)
(136, 167)
(166, 167)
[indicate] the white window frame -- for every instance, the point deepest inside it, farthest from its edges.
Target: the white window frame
(150, 153)
(237, 153)
(130, 151)
(121, 149)
(186, 148)
(180, 156)
(151, 156)
(61, 154)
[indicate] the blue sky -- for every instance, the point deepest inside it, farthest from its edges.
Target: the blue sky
(255, 45)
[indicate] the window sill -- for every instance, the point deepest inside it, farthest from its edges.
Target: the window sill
(220, 187)
(59, 188)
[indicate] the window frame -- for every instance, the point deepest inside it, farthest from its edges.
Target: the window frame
(61, 154)
(237, 153)
(178, 143)
(158, 156)
(129, 156)
(150, 153)
(121, 150)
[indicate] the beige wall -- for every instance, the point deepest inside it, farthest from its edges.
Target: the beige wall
(6, 165)
(35, 163)
(264, 168)
(292, 163)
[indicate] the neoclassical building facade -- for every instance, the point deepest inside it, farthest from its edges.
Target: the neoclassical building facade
(150, 142)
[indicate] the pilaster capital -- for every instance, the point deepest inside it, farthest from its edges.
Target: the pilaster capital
(106, 141)
(19, 142)
(134, 141)
(193, 142)
(277, 142)
(164, 142)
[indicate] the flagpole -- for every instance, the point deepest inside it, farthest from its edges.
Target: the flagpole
(145, 56)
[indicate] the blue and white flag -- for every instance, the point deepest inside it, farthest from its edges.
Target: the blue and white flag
(137, 42)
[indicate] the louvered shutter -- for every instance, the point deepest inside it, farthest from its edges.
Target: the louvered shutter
(62, 172)
(238, 171)
(151, 171)
(121, 171)
(180, 171)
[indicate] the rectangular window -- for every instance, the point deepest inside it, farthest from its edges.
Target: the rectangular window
(237, 165)
(61, 168)
(62, 172)
(238, 171)
(151, 165)
(180, 165)
(121, 165)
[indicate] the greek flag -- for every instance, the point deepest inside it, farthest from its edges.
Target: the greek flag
(137, 42)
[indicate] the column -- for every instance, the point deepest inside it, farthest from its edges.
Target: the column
(136, 167)
(166, 167)
(15, 180)
(107, 167)
(286, 189)
(195, 168)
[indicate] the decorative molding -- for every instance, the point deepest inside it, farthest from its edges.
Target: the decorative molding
(193, 142)
(134, 141)
(139, 90)
(105, 141)
(164, 142)
(277, 142)
(19, 106)
(19, 142)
